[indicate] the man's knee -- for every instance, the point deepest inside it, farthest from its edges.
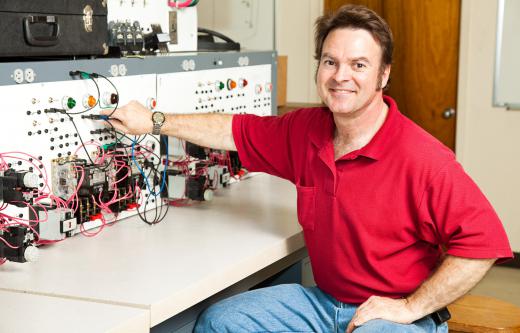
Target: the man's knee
(213, 319)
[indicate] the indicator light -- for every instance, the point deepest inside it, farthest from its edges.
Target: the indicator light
(89, 101)
(231, 84)
(219, 85)
(242, 83)
(68, 103)
(152, 103)
(110, 99)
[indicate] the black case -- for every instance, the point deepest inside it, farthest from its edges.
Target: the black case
(53, 28)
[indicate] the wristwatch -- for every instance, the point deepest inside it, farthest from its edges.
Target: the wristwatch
(158, 119)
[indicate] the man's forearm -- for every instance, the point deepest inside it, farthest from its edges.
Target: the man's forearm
(454, 278)
(207, 130)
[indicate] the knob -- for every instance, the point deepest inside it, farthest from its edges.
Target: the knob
(30, 180)
(208, 194)
(448, 113)
(31, 254)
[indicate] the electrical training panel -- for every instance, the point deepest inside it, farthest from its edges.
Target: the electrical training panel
(64, 170)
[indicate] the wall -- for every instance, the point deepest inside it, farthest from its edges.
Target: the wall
(488, 138)
(294, 38)
(249, 22)
(285, 25)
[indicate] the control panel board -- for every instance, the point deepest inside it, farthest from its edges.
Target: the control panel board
(64, 170)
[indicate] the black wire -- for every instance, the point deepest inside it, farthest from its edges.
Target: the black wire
(154, 168)
(158, 216)
(85, 148)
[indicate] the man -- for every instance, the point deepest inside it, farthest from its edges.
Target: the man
(395, 228)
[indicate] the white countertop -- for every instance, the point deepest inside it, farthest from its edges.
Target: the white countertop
(192, 254)
(28, 313)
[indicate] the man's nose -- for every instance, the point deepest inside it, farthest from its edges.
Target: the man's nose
(343, 73)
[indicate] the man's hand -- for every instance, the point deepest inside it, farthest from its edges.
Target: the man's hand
(133, 118)
(395, 310)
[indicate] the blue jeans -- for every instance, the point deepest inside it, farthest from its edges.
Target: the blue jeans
(292, 308)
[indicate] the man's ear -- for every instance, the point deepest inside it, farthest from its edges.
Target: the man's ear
(386, 76)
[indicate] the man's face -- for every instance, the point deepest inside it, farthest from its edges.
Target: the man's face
(349, 71)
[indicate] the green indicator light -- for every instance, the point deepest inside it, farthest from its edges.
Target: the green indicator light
(71, 103)
(221, 85)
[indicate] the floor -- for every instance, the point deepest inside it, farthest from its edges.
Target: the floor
(502, 283)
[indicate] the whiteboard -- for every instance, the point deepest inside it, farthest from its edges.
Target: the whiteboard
(506, 87)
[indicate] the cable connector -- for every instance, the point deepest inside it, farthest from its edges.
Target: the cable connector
(95, 117)
(54, 110)
(100, 131)
(83, 75)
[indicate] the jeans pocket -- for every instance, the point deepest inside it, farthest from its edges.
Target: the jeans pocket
(306, 206)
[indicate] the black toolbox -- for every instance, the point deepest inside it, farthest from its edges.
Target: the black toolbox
(53, 28)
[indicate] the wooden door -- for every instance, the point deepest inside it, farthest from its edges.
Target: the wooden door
(423, 80)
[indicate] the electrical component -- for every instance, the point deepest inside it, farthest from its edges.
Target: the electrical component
(242, 83)
(64, 177)
(176, 185)
(16, 187)
(219, 85)
(110, 99)
(128, 37)
(68, 103)
(94, 180)
(89, 101)
(57, 222)
(218, 176)
(131, 22)
(197, 189)
(231, 84)
(98, 176)
(151, 103)
(18, 245)
(196, 151)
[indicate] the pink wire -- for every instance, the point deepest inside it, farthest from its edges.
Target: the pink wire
(184, 4)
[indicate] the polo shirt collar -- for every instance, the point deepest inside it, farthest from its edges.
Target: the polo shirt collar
(322, 136)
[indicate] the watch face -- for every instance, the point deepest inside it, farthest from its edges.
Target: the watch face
(158, 117)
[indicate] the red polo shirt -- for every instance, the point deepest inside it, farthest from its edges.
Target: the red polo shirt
(376, 219)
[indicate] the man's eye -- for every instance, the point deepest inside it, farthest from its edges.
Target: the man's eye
(329, 62)
(360, 65)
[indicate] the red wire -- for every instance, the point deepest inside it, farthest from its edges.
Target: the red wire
(175, 4)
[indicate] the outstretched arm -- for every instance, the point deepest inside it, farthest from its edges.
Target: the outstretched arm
(207, 130)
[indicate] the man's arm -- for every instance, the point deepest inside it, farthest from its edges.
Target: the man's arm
(207, 130)
(453, 278)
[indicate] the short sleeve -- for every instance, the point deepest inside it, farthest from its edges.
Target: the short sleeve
(266, 143)
(455, 213)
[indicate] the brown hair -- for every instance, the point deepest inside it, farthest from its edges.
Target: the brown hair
(355, 17)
